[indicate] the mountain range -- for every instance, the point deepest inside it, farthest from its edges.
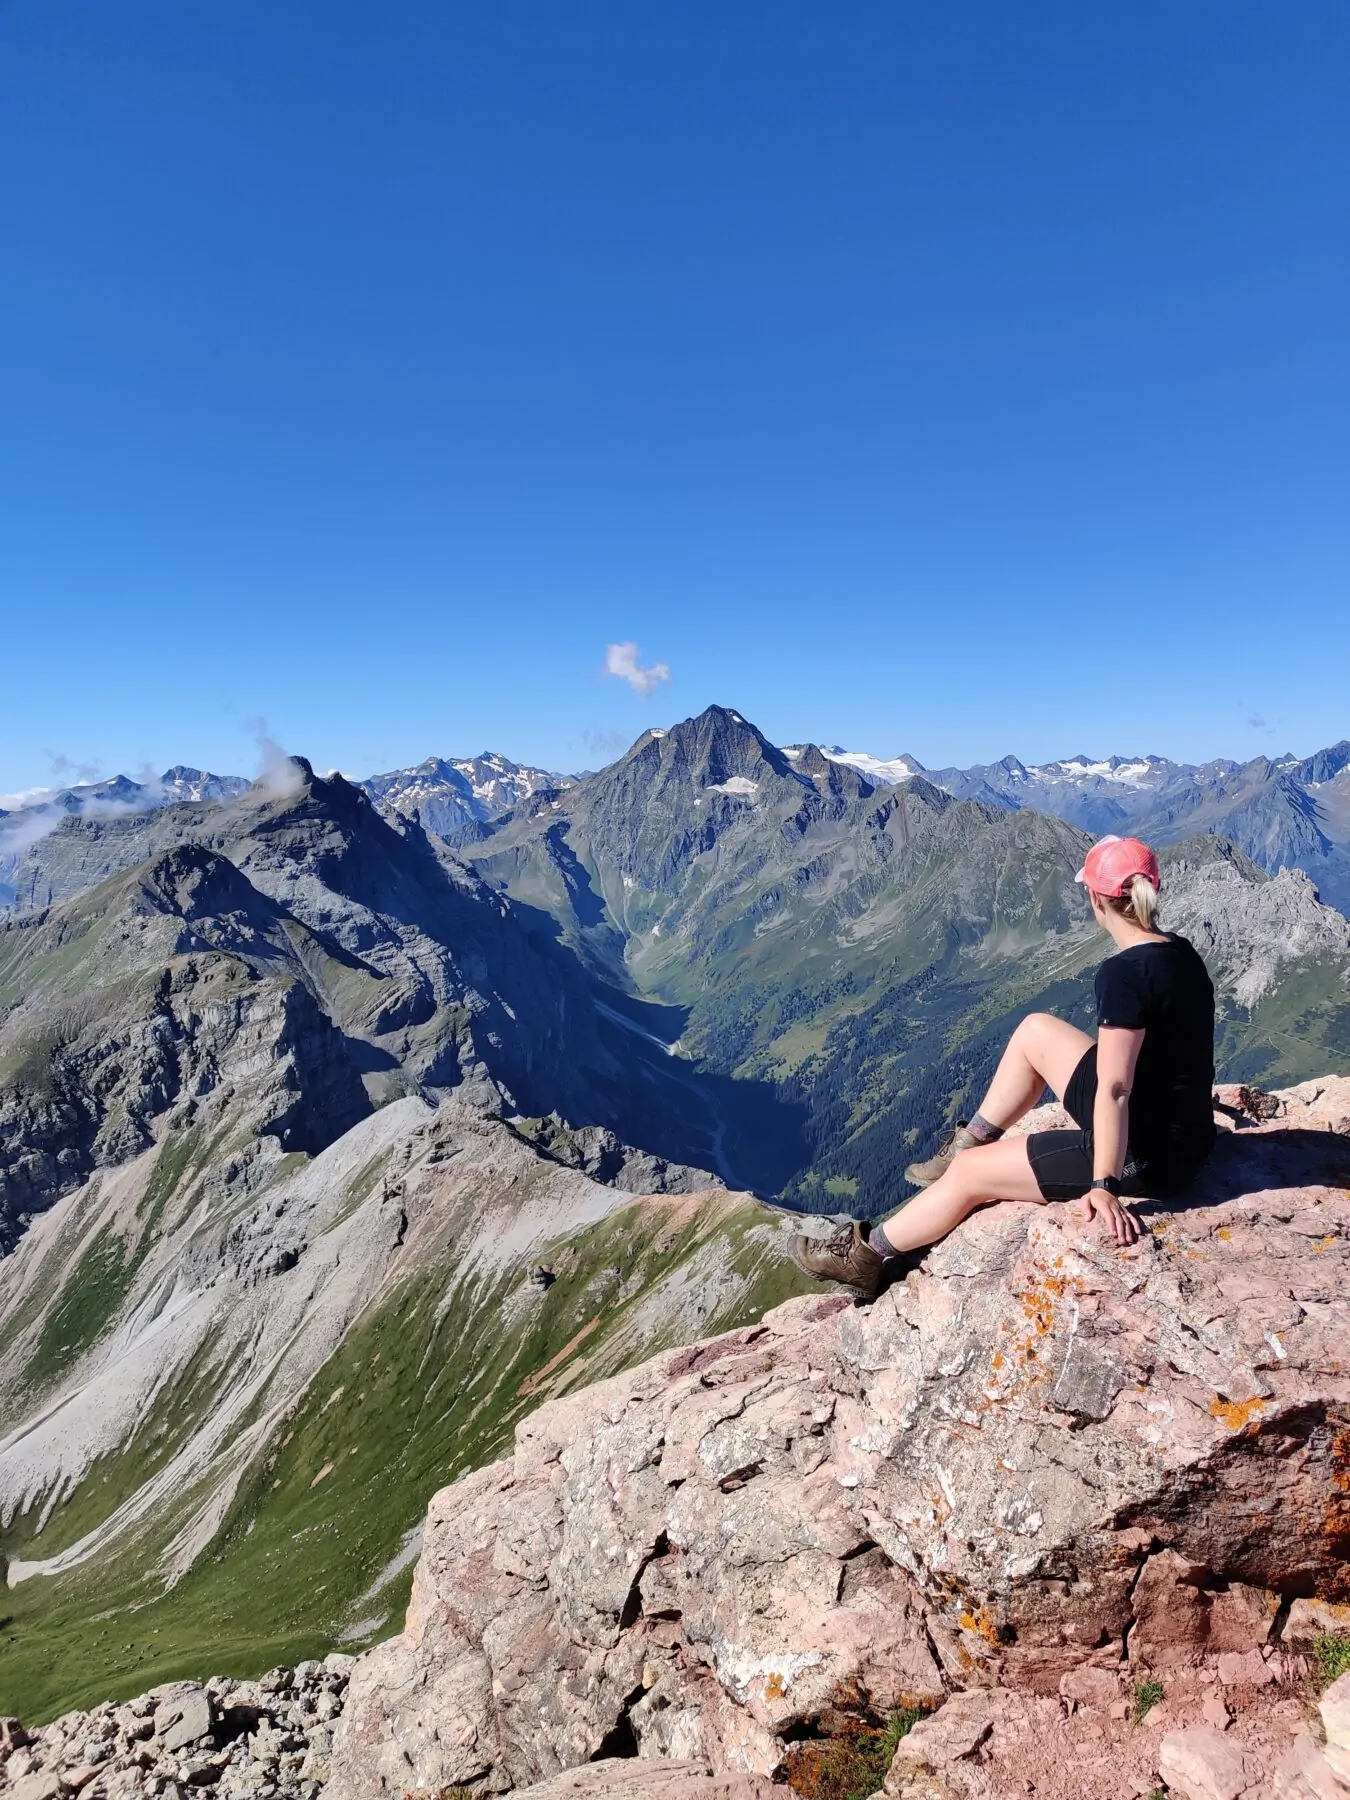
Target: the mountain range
(446, 796)
(1281, 812)
(320, 1129)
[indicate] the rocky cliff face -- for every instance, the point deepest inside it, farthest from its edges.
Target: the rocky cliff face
(1036, 1465)
(1250, 931)
(176, 982)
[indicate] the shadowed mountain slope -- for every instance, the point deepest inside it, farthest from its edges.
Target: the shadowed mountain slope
(162, 987)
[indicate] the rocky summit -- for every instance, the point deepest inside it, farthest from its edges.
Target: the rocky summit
(1041, 1491)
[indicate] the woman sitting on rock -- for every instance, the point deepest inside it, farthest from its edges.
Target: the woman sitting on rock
(1140, 1095)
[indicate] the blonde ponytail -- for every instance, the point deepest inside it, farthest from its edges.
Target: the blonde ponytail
(1139, 906)
(1143, 902)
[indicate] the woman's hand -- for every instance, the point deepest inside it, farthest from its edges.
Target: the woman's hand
(1119, 1220)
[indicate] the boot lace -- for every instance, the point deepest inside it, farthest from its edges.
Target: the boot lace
(950, 1142)
(841, 1244)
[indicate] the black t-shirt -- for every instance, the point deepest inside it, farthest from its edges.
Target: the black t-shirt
(1163, 989)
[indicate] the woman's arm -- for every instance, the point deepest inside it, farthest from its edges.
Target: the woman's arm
(1117, 1054)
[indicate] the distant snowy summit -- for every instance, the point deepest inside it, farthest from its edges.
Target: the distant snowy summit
(1010, 773)
(445, 796)
(29, 817)
(180, 783)
(1283, 812)
(120, 794)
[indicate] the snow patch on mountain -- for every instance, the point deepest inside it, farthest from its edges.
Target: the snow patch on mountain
(889, 771)
(1131, 772)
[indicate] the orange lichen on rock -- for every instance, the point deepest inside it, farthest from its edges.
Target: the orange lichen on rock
(1336, 1519)
(983, 1624)
(1236, 1414)
(1038, 1299)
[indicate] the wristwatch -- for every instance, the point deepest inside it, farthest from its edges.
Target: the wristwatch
(1109, 1184)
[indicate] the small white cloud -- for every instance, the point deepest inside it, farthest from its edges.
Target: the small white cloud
(278, 774)
(28, 828)
(69, 772)
(622, 660)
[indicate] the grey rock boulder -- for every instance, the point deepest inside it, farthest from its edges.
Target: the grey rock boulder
(1200, 1763)
(41, 1786)
(185, 1720)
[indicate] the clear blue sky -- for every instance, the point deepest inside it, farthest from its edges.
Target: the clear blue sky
(957, 378)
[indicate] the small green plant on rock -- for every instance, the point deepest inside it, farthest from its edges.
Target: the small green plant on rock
(1147, 1693)
(1331, 1658)
(852, 1762)
(902, 1722)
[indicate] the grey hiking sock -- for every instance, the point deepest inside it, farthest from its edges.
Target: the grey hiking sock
(982, 1131)
(878, 1241)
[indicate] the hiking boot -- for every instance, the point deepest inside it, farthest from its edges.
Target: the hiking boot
(846, 1257)
(924, 1174)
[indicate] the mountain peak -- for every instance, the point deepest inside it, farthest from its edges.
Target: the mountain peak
(191, 880)
(184, 783)
(720, 751)
(449, 795)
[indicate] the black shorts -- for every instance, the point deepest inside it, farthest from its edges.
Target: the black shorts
(1061, 1161)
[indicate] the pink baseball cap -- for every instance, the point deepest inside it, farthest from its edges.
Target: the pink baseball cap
(1113, 862)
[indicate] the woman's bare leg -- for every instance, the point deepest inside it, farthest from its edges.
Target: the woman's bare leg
(1043, 1052)
(998, 1171)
